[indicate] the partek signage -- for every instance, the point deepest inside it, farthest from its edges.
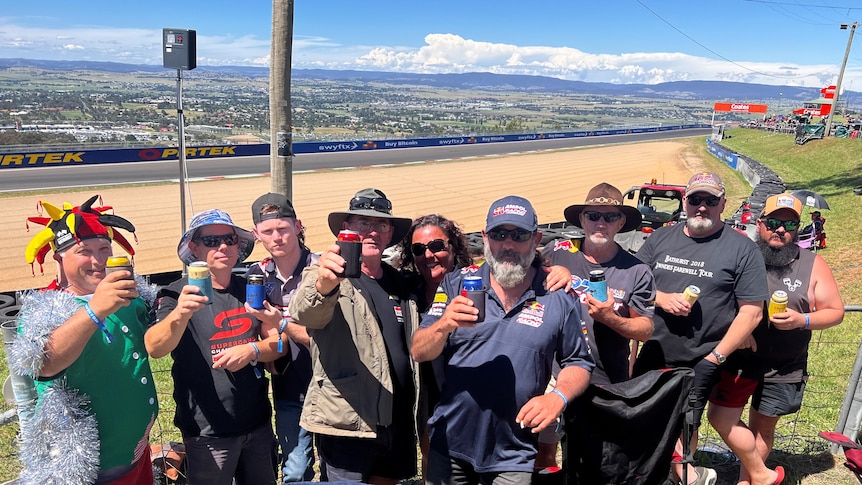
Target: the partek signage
(740, 107)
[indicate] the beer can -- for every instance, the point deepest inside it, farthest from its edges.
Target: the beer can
(471, 287)
(119, 263)
(254, 291)
(777, 303)
(598, 285)
(691, 293)
(350, 243)
(199, 275)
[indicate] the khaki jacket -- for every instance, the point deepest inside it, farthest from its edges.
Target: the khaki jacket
(351, 386)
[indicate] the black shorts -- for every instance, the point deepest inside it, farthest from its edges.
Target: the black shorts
(392, 454)
(778, 398)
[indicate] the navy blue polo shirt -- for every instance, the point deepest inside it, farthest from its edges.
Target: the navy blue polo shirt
(494, 368)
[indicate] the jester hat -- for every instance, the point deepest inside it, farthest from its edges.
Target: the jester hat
(69, 225)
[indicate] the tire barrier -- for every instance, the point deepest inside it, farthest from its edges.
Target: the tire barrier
(6, 300)
(9, 313)
(764, 183)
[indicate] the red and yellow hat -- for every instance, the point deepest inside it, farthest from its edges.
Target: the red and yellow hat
(69, 225)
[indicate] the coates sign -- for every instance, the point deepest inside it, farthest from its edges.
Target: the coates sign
(740, 107)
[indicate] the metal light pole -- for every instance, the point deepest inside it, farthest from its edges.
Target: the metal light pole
(840, 76)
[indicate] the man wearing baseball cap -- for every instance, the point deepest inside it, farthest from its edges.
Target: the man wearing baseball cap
(218, 347)
(728, 270)
(774, 371)
(282, 235)
(363, 399)
(493, 402)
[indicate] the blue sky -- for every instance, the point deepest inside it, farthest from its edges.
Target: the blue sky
(781, 42)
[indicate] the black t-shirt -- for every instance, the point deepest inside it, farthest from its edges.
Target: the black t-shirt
(726, 266)
(216, 402)
(385, 296)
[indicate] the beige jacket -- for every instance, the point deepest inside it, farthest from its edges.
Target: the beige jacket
(351, 385)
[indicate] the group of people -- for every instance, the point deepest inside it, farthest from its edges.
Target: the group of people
(371, 369)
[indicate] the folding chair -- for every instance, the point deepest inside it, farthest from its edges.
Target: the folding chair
(625, 433)
(852, 451)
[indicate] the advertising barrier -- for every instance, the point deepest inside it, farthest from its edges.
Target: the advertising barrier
(124, 155)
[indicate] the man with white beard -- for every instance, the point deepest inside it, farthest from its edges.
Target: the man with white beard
(728, 270)
(493, 402)
(626, 310)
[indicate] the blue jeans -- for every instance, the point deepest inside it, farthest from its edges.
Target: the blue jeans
(297, 457)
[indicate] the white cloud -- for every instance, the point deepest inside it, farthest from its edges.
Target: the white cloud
(441, 53)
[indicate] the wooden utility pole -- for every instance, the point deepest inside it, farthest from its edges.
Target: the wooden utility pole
(281, 135)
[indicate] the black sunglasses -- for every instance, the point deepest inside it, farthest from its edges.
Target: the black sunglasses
(697, 200)
(435, 246)
(774, 224)
(607, 216)
(517, 235)
(231, 239)
(379, 204)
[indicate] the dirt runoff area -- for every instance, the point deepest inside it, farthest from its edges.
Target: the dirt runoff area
(461, 190)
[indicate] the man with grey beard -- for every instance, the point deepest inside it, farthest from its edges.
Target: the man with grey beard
(729, 272)
(493, 402)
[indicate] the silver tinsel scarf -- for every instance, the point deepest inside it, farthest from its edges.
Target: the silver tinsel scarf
(61, 443)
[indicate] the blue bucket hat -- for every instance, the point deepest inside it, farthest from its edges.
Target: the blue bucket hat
(209, 218)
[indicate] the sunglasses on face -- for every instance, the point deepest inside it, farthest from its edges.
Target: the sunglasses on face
(231, 239)
(435, 246)
(379, 204)
(517, 235)
(607, 216)
(364, 225)
(697, 200)
(774, 224)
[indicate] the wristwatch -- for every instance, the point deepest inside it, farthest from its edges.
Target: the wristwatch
(721, 358)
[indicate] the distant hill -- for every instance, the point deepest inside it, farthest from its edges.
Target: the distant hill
(694, 90)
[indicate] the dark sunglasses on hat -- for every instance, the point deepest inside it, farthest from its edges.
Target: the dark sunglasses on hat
(517, 235)
(697, 200)
(379, 204)
(773, 224)
(435, 246)
(607, 216)
(231, 239)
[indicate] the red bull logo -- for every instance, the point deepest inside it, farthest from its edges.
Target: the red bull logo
(566, 245)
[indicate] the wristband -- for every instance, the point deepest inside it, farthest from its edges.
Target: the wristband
(807, 321)
(99, 323)
(280, 332)
(563, 396)
(256, 351)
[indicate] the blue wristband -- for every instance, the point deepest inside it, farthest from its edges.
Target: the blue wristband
(280, 332)
(807, 321)
(563, 396)
(256, 351)
(99, 323)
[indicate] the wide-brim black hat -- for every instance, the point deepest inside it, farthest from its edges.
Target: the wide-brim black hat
(371, 203)
(607, 195)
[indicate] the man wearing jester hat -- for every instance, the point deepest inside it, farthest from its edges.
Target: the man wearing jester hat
(82, 341)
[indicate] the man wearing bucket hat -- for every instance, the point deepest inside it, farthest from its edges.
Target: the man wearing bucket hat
(223, 409)
(82, 340)
(728, 270)
(774, 371)
(363, 399)
(626, 311)
(282, 235)
(493, 402)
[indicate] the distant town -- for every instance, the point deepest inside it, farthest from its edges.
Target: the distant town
(41, 105)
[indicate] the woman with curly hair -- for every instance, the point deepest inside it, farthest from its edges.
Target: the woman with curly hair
(433, 246)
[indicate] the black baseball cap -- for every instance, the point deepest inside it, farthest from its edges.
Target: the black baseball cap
(279, 201)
